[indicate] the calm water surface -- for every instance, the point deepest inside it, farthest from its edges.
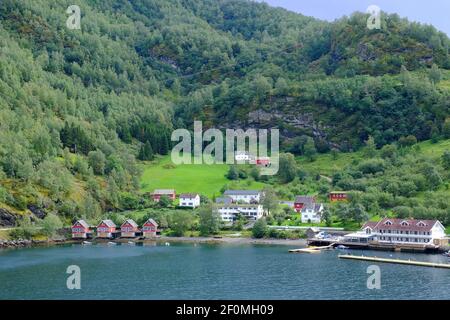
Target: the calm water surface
(188, 271)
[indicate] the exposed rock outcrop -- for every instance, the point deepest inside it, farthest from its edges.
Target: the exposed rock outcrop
(7, 219)
(38, 212)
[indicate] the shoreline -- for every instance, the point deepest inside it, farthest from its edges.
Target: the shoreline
(235, 240)
(5, 244)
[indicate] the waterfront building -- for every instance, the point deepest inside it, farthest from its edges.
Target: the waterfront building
(150, 228)
(244, 196)
(312, 213)
(106, 229)
(129, 229)
(301, 201)
(80, 230)
(190, 200)
(400, 231)
(230, 210)
(158, 193)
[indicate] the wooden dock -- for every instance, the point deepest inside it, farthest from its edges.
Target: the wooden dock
(397, 261)
(312, 249)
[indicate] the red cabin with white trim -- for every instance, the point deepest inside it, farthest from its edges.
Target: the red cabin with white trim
(158, 193)
(128, 229)
(80, 230)
(105, 229)
(149, 228)
(338, 196)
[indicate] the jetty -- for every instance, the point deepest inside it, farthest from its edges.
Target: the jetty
(396, 261)
(312, 249)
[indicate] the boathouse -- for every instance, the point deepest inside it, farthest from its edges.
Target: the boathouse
(150, 228)
(81, 230)
(106, 229)
(129, 229)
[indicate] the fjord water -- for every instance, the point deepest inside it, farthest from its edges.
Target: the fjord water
(188, 271)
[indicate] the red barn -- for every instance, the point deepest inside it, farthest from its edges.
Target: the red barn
(105, 229)
(338, 196)
(149, 228)
(301, 201)
(158, 193)
(128, 229)
(80, 230)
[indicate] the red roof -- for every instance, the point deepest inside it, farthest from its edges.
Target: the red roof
(402, 224)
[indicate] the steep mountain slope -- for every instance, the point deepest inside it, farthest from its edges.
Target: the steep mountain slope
(78, 106)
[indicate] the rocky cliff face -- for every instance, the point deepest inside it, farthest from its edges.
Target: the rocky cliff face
(7, 219)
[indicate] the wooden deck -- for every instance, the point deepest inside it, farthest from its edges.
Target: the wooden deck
(397, 261)
(374, 245)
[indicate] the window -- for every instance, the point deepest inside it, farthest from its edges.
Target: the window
(388, 223)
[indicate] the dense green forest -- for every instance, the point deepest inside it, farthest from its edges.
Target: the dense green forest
(80, 108)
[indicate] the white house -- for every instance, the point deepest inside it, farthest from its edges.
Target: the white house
(312, 213)
(243, 156)
(191, 200)
(401, 231)
(244, 196)
(229, 210)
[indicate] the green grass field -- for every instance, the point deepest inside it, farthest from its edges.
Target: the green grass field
(326, 165)
(204, 179)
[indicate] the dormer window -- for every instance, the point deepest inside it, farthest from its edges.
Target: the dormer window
(421, 224)
(404, 224)
(388, 223)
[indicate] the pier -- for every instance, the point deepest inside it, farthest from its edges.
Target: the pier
(397, 261)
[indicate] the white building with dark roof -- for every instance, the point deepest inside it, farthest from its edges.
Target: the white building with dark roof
(312, 213)
(244, 196)
(189, 200)
(229, 210)
(401, 231)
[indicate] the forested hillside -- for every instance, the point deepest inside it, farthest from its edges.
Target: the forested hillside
(80, 108)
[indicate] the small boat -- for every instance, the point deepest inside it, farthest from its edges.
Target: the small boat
(112, 243)
(305, 250)
(86, 243)
(131, 243)
(167, 244)
(342, 247)
(447, 254)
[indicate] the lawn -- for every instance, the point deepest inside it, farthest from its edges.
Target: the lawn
(201, 178)
(326, 165)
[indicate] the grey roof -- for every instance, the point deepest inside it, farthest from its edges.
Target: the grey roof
(304, 199)
(189, 195)
(109, 223)
(83, 223)
(312, 206)
(152, 222)
(242, 192)
(132, 222)
(224, 200)
(164, 191)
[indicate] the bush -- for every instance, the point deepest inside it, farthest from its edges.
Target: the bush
(259, 229)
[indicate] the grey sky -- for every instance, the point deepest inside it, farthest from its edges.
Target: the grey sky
(435, 12)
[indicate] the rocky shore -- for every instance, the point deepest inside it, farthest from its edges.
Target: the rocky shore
(15, 243)
(30, 243)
